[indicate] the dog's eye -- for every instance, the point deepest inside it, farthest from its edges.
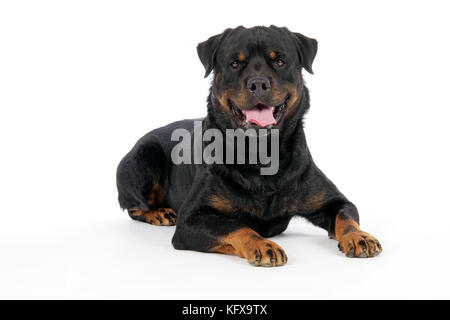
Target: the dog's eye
(279, 62)
(235, 64)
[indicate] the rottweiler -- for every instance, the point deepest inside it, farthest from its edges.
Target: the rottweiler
(233, 208)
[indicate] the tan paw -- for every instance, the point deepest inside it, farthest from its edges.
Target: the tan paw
(264, 253)
(248, 244)
(358, 244)
(157, 217)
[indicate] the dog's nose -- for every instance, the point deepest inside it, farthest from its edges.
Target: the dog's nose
(258, 86)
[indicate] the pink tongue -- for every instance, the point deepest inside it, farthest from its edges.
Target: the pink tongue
(262, 117)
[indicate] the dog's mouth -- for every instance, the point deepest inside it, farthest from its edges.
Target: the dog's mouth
(261, 115)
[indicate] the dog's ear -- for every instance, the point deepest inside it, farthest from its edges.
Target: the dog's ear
(306, 50)
(306, 47)
(207, 51)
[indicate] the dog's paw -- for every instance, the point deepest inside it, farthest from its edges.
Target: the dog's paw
(161, 217)
(265, 253)
(359, 244)
(157, 217)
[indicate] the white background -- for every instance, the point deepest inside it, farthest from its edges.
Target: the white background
(81, 81)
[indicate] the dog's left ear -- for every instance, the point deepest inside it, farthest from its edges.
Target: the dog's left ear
(207, 51)
(306, 50)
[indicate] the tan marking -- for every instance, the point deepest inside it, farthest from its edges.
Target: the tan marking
(222, 97)
(240, 240)
(221, 204)
(272, 55)
(156, 196)
(224, 249)
(343, 224)
(225, 95)
(278, 95)
(352, 241)
(249, 210)
(161, 217)
(216, 78)
(293, 92)
(241, 57)
(135, 212)
(248, 244)
(314, 202)
(311, 203)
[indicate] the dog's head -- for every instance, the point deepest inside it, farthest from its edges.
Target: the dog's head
(257, 75)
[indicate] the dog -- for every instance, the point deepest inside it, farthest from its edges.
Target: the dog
(233, 208)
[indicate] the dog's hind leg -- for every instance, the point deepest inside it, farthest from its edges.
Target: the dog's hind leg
(141, 178)
(158, 213)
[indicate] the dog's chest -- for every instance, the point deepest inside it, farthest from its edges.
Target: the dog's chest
(262, 207)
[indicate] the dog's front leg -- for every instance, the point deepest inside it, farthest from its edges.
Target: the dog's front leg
(352, 240)
(208, 231)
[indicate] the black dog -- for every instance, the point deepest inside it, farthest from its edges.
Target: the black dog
(228, 208)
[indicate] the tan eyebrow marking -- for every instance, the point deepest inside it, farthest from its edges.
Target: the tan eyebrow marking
(272, 54)
(241, 56)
